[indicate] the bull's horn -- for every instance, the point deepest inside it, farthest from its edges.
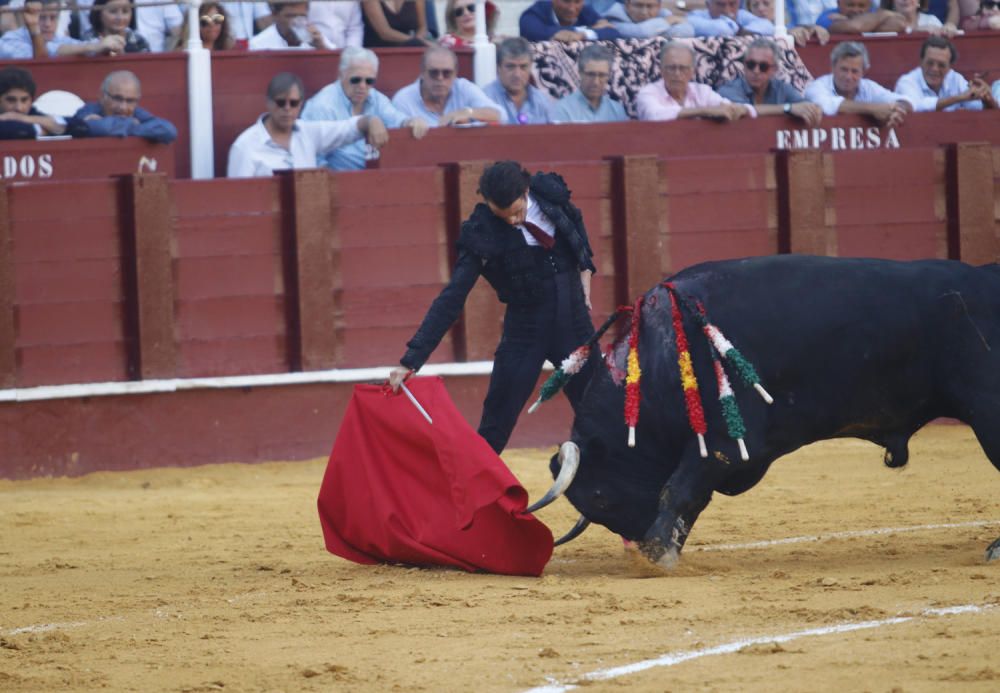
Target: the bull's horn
(581, 524)
(569, 461)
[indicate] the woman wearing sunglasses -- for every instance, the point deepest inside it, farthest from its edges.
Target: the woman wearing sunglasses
(112, 18)
(460, 20)
(213, 29)
(986, 19)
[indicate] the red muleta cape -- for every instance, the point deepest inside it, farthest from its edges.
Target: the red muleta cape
(398, 489)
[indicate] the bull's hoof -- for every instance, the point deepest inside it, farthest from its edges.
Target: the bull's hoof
(993, 551)
(664, 557)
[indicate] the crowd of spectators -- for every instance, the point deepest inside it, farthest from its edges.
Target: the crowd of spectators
(344, 124)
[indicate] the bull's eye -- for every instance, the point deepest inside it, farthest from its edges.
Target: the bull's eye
(600, 500)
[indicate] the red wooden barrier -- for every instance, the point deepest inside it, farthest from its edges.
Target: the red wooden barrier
(682, 138)
(69, 159)
(67, 282)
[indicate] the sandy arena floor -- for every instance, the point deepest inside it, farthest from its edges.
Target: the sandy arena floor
(216, 578)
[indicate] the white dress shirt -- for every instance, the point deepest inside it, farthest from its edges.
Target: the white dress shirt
(913, 86)
(535, 215)
(271, 40)
(823, 93)
(154, 23)
(242, 16)
(255, 154)
(339, 22)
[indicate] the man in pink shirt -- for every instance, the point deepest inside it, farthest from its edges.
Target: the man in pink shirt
(676, 96)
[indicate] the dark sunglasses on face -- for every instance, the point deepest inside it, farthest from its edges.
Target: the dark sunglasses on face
(459, 11)
(289, 103)
(357, 79)
(209, 19)
(761, 66)
(436, 73)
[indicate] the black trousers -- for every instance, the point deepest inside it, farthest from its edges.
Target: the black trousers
(550, 329)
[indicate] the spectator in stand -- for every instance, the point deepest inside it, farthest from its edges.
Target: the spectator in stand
(117, 113)
(390, 23)
(19, 119)
(159, 24)
(591, 103)
(934, 86)
(566, 21)
(112, 18)
(460, 20)
(291, 30)
(9, 20)
(646, 19)
(802, 34)
(725, 18)
(213, 29)
(522, 102)
(279, 140)
(247, 19)
(339, 22)
(846, 90)
(986, 19)
(858, 17)
(675, 96)
(442, 98)
(766, 93)
(354, 94)
(38, 37)
(917, 20)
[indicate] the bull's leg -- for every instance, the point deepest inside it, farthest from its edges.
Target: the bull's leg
(985, 423)
(682, 499)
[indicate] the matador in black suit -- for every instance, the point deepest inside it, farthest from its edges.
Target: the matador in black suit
(530, 243)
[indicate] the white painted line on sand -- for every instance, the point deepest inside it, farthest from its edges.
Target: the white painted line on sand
(842, 535)
(680, 656)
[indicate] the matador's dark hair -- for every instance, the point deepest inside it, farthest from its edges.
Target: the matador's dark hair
(503, 182)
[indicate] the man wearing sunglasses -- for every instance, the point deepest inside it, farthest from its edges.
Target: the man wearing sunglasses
(769, 95)
(440, 97)
(529, 242)
(118, 114)
(279, 140)
(986, 19)
(354, 94)
(934, 86)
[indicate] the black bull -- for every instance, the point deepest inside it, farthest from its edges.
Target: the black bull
(861, 348)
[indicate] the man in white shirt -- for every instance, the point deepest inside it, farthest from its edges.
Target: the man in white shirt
(934, 86)
(279, 140)
(846, 90)
(246, 19)
(157, 22)
(291, 30)
(339, 22)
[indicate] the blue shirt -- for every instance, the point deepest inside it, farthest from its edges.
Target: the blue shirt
(705, 25)
(142, 124)
(539, 23)
(464, 94)
(574, 108)
(331, 103)
(913, 86)
(778, 91)
(16, 44)
(535, 111)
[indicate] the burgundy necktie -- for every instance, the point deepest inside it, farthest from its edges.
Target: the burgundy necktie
(544, 239)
